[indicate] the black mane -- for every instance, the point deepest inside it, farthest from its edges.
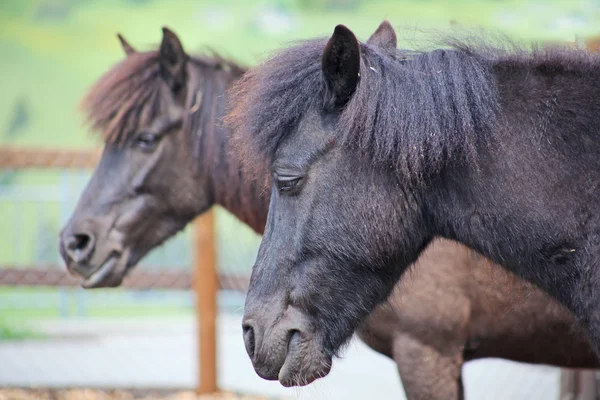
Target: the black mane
(412, 110)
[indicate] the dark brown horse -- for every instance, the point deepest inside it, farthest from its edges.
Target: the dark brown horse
(374, 151)
(163, 161)
(153, 180)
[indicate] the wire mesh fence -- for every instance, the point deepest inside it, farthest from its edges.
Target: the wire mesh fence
(40, 300)
(36, 201)
(32, 214)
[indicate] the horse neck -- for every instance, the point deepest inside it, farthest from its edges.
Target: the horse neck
(243, 197)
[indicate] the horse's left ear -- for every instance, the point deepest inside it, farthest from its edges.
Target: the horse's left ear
(341, 64)
(173, 60)
(127, 48)
(384, 37)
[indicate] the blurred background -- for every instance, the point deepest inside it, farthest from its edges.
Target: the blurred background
(59, 336)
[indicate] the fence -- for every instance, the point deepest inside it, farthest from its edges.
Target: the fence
(48, 271)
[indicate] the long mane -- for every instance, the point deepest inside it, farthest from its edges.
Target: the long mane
(412, 110)
(127, 97)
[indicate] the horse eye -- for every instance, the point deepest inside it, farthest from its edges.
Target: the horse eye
(147, 141)
(287, 184)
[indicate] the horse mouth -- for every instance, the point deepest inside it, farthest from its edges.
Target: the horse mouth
(303, 364)
(105, 276)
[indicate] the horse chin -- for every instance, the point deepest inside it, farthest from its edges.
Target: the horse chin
(304, 362)
(110, 274)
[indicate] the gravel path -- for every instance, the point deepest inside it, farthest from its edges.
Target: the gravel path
(88, 394)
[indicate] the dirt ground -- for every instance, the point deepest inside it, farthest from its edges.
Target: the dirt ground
(88, 394)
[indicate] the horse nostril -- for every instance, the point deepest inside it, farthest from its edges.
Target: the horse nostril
(79, 246)
(249, 339)
(79, 242)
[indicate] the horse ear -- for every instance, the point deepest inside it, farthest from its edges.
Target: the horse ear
(384, 37)
(173, 60)
(127, 48)
(341, 64)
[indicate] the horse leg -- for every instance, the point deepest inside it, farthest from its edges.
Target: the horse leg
(426, 373)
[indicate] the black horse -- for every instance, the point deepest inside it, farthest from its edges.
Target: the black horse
(373, 151)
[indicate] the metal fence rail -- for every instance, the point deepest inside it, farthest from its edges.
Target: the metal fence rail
(137, 279)
(20, 158)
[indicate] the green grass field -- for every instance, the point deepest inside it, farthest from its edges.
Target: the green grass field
(53, 50)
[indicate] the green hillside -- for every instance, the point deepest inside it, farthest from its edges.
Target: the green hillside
(52, 50)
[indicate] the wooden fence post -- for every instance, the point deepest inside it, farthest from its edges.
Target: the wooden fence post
(205, 287)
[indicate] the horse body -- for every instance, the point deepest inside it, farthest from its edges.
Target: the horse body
(531, 204)
(456, 306)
